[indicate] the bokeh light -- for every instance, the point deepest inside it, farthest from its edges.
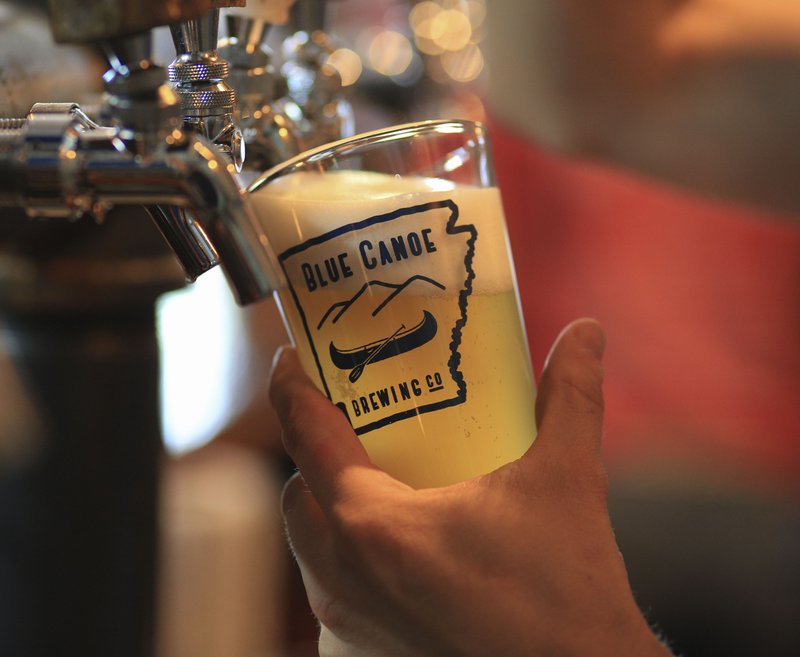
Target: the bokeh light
(447, 32)
(347, 64)
(452, 29)
(390, 53)
(432, 46)
(464, 65)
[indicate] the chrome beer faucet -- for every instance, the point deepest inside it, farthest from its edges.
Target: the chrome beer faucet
(313, 84)
(79, 277)
(199, 75)
(271, 122)
(57, 163)
(78, 282)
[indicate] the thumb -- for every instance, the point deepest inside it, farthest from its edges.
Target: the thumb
(569, 407)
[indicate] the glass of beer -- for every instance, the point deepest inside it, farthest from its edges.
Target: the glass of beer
(399, 294)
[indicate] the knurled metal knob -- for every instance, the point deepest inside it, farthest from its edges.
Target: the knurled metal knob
(182, 71)
(12, 132)
(208, 100)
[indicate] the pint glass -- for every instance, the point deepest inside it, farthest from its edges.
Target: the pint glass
(400, 296)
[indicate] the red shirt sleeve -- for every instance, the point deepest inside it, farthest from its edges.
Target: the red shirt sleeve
(700, 300)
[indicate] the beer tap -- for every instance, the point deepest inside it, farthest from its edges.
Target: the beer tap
(271, 121)
(55, 164)
(313, 84)
(207, 105)
(199, 75)
(79, 277)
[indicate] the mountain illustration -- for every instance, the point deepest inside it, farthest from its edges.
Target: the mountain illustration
(381, 294)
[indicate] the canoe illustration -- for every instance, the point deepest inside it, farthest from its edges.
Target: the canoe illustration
(403, 341)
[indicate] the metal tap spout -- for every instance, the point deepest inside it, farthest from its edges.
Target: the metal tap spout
(59, 164)
(190, 174)
(198, 178)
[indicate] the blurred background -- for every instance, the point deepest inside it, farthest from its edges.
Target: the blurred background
(646, 153)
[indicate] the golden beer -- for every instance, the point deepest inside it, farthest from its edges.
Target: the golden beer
(400, 297)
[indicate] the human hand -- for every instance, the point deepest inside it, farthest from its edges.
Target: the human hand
(518, 562)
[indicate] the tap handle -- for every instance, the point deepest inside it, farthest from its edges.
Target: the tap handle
(274, 12)
(249, 25)
(198, 72)
(199, 75)
(79, 21)
(310, 15)
(196, 35)
(128, 53)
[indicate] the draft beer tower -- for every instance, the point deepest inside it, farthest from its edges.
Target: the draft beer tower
(81, 266)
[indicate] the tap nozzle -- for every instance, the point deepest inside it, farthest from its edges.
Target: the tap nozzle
(148, 112)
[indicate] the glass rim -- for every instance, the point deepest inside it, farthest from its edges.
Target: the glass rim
(389, 133)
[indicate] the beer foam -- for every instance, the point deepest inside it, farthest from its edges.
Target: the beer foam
(336, 186)
(300, 206)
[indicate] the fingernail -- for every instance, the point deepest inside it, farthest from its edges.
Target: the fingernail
(587, 332)
(593, 337)
(278, 355)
